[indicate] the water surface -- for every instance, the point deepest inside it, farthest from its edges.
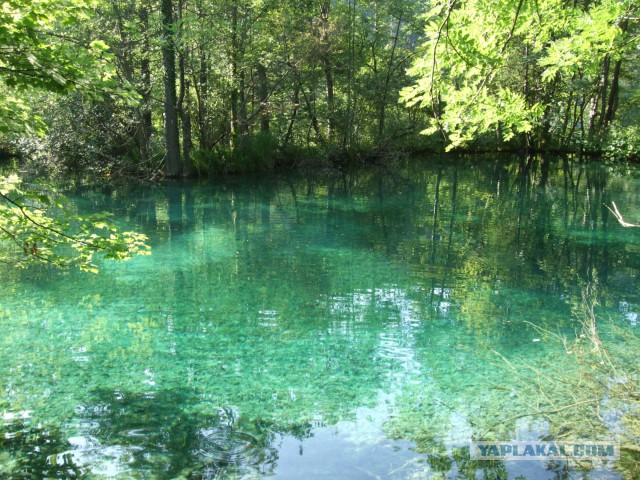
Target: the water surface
(327, 326)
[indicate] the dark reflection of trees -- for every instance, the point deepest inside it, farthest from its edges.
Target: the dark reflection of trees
(30, 450)
(167, 440)
(533, 222)
(158, 438)
(456, 226)
(470, 469)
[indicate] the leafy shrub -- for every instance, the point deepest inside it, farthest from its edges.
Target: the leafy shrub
(623, 143)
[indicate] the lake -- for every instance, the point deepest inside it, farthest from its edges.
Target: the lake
(359, 324)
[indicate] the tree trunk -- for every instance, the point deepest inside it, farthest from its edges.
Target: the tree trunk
(242, 110)
(387, 82)
(612, 103)
(263, 93)
(294, 113)
(598, 103)
(202, 93)
(350, 107)
(185, 116)
(183, 101)
(172, 142)
(187, 142)
(328, 67)
(146, 124)
(312, 115)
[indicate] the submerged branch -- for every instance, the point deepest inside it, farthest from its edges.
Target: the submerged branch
(618, 215)
(540, 413)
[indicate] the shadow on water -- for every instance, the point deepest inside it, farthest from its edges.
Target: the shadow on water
(117, 434)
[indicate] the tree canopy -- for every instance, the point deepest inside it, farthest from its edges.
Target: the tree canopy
(36, 51)
(547, 72)
(239, 85)
(36, 224)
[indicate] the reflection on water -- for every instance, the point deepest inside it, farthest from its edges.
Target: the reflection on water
(330, 326)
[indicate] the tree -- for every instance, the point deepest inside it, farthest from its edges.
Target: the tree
(42, 226)
(35, 53)
(171, 131)
(535, 72)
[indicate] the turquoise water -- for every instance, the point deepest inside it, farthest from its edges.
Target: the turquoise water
(328, 326)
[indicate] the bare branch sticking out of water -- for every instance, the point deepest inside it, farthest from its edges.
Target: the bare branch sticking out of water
(618, 215)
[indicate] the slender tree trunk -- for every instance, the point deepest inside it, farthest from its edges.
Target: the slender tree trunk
(328, 66)
(234, 115)
(350, 110)
(140, 130)
(328, 71)
(144, 137)
(172, 142)
(187, 142)
(239, 126)
(583, 134)
(292, 119)
(387, 81)
(576, 118)
(202, 93)
(242, 110)
(528, 138)
(234, 75)
(566, 118)
(201, 84)
(184, 102)
(312, 115)
(598, 102)
(263, 93)
(604, 93)
(309, 104)
(612, 103)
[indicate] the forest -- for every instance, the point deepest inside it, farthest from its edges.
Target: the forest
(182, 88)
(361, 235)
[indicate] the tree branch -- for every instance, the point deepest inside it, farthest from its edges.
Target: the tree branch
(618, 215)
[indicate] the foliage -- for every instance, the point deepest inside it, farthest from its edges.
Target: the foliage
(37, 52)
(306, 75)
(252, 153)
(623, 143)
(524, 69)
(256, 152)
(83, 140)
(43, 228)
(320, 76)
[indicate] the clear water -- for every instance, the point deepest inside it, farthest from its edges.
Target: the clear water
(329, 326)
